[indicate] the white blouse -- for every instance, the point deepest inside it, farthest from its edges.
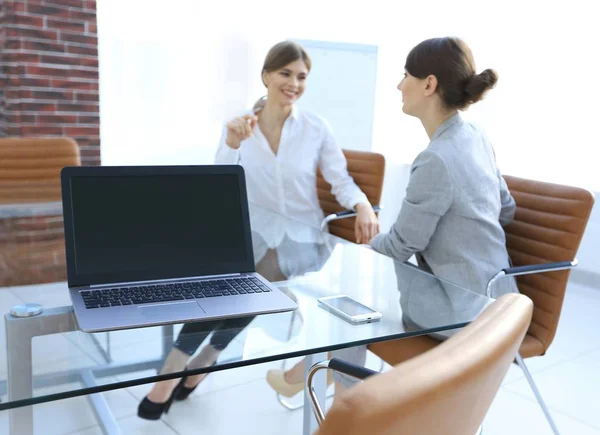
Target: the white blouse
(286, 182)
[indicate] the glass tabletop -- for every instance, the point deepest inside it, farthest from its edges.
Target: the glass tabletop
(46, 358)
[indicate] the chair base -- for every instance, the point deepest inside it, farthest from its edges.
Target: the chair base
(538, 396)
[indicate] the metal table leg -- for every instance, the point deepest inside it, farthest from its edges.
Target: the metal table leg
(19, 333)
(309, 425)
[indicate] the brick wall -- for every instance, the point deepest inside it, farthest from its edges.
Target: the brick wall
(33, 250)
(48, 87)
(49, 71)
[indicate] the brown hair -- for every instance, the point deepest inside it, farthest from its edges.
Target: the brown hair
(280, 55)
(450, 60)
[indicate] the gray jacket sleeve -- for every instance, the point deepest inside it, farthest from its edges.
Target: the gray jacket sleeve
(429, 195)
(507, 212)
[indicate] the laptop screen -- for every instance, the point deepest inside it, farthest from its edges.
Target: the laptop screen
(146, 226)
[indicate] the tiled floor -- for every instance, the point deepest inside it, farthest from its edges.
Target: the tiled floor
(235, 402)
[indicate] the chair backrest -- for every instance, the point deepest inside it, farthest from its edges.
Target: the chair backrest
(549, 223)
(447, 390)
(30, 168)
(367, 169)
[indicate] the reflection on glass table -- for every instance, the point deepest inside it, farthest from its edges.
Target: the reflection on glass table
(411, 301)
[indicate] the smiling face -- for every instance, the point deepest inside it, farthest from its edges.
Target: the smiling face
(286, 85)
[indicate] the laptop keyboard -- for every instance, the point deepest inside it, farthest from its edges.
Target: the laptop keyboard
(146, 294)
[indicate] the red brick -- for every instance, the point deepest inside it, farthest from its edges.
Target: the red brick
(32, 82)
(79, 38)
(57, 119)
(50, 95)
(77, 107)
(29, 20)
(71, 84)
(82, 131)
(92, 28)
(91, 62)
(14, 130)
(88, 119)
(40, 131)
(37, 70)
(90, 153)
(91, 97)
(88, 15)
(27, 118)
(84, 50)
(26, 32)
(12, 93)
(56, 11)
(90, 4)
(13, 44)
(61, 59)
(18, 7)
(29, 106)
(46, 46)
(71, 3)
(73, 26)
(25, 57)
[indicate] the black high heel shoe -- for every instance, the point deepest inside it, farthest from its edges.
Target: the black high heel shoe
(150, 410)
(182, 392)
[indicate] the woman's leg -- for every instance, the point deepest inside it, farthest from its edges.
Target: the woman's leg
(189, 339)
(223, 334)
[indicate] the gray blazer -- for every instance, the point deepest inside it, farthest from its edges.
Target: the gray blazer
(452, 216)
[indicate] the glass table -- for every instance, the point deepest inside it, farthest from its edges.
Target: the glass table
(302, 261)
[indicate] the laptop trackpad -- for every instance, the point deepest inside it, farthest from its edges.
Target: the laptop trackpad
(175, 310)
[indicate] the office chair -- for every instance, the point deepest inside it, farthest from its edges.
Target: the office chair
(448, 389)
(542, 242)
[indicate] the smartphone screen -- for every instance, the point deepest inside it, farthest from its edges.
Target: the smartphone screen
(348, 306)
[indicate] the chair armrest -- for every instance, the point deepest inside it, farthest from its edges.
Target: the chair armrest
(350, 369)
(539, 268)
(337, 365)
(344, 214)
(528, 270)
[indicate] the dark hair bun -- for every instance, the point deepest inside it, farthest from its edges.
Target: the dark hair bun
(479, 84)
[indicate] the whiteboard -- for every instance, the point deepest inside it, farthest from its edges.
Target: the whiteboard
(341, 88)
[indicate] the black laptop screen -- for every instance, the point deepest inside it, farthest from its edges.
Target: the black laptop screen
(146, 227)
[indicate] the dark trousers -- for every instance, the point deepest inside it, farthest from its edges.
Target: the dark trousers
(192, 335)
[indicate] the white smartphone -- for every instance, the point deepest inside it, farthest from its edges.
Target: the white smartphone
(349, 309)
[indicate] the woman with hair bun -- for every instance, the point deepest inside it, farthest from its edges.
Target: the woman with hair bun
(456, 202)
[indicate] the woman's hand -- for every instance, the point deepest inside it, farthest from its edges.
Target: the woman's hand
(367, 224)
(240, 129)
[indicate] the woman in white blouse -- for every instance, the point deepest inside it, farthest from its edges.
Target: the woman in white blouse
(280, 148)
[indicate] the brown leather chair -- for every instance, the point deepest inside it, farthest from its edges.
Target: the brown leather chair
(544, 236)
(31, 229)
(447, 390)
(368, 170)
(30, 168)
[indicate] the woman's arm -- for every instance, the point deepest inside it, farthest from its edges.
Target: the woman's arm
(428, 197)
(334, 169)
(234, 133)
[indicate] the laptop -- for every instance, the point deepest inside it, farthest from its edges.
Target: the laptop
(152, 245)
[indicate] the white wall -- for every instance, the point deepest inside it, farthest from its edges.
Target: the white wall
(172, 72)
